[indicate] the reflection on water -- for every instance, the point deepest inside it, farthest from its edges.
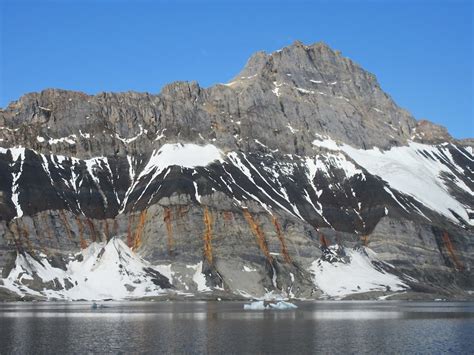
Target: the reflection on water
(222, 327)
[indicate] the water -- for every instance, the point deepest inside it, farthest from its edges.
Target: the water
(224, 327)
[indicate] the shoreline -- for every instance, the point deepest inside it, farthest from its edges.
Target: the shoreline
(221, 297)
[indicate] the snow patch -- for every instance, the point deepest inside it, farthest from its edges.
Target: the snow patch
(105, 270)
(18, 157)
(416, 170)
(292, 130)
(185, 155)
(131, 139)
(276, 90)
(69, 140)
(338, 279)
(199, 278)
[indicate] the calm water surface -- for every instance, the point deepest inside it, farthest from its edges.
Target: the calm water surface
(224, 327)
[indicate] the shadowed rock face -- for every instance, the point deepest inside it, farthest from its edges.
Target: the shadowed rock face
(245, 188)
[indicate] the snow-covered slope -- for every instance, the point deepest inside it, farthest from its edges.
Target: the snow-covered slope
(358, 272)
(422, 171)
(102, 271)
(336, 176)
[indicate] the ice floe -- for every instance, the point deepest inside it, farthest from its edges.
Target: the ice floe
(264, 305)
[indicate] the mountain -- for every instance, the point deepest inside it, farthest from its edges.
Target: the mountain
(298, 178)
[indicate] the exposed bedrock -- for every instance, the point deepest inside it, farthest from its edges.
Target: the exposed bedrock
(299, 178)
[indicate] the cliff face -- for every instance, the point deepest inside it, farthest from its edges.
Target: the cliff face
(300, 177)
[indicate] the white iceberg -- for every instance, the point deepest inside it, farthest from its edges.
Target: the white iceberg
(255, 306)
(261, 306)
(283, 305)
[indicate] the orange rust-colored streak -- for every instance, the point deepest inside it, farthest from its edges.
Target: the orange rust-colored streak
(66, 224)
(262, 242)
(91, 226)
(80, 226)
(281, 238)
(169, 230)
(365, 240)
(129, 232)
(449, 245)
(208, 235)
(323, 240)
(137, 240)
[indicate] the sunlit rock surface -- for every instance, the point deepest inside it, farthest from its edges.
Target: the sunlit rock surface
(300, 178)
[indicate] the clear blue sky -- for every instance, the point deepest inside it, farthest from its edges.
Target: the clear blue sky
(421, 51)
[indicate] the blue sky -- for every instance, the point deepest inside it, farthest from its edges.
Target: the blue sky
(420, 51)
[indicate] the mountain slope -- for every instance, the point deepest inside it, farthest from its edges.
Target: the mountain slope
(299, 169)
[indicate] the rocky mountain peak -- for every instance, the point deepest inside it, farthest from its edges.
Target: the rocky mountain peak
(298, 59)
(311, 88)
(254, 65)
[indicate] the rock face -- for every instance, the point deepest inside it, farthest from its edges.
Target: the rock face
(298, 172)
